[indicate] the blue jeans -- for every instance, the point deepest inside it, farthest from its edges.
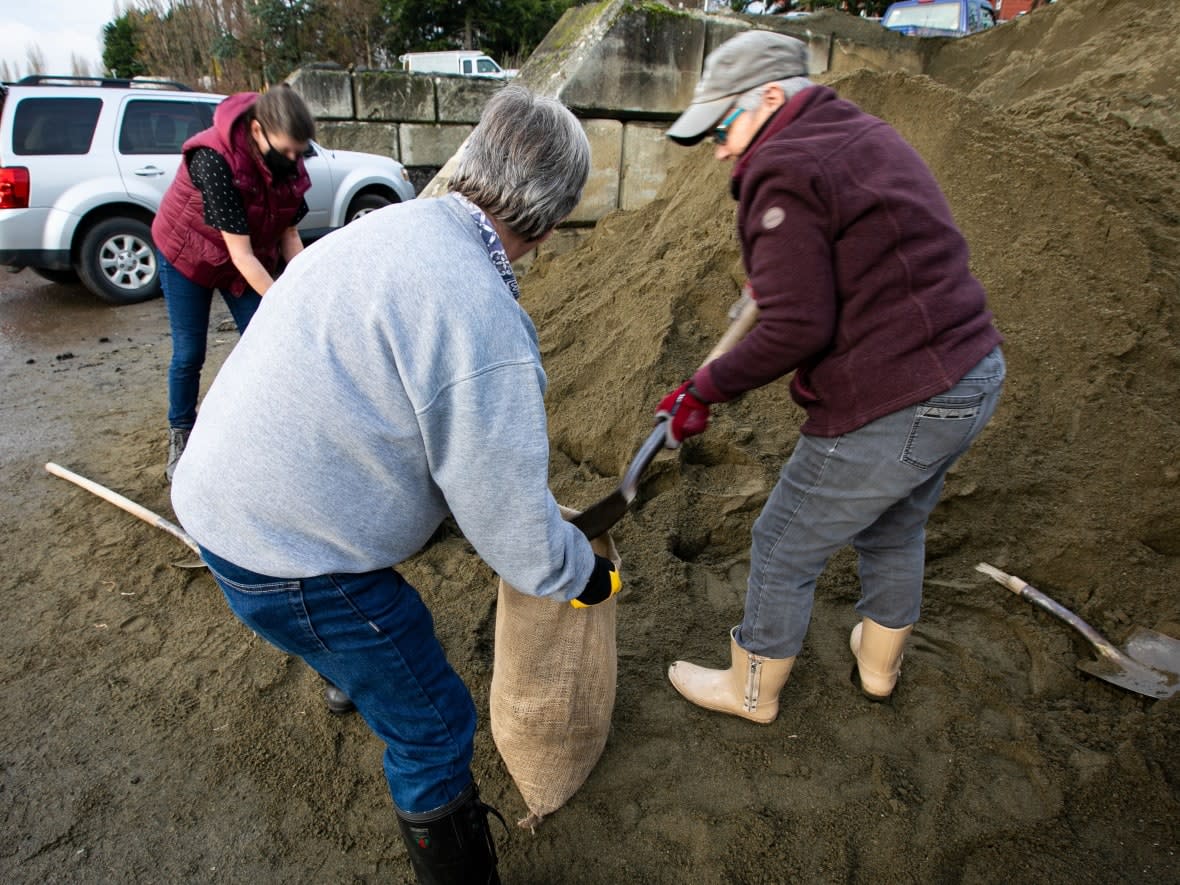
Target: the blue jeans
(873, 488)
(188, 316)
(371, 635)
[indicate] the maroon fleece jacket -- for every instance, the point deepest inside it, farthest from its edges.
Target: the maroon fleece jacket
(858, 268)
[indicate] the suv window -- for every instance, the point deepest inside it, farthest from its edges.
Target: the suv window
(161, 127)
(54, 126)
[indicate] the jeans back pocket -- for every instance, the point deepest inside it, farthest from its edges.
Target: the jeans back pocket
(942, 428)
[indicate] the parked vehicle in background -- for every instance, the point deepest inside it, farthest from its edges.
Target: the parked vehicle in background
(1006, 10)
(465, 62)
(85, 161)
(939, 18)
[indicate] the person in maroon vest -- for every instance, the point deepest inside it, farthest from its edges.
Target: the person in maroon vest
(864, 293)
(224, 223)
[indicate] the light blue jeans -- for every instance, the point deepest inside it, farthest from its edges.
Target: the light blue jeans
(371, 635)
(873, 488)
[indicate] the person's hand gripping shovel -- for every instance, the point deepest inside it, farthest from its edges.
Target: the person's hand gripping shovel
(680, 414)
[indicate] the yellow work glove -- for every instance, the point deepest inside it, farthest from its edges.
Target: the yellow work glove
(603, 584)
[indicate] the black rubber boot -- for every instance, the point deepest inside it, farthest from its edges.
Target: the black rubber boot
(452, 845)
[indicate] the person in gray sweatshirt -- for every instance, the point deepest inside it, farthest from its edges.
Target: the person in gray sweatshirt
(389, 380)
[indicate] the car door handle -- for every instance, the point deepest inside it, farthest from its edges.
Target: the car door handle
(149, 172)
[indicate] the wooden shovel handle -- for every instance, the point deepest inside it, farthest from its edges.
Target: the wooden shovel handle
(737, 330)
(1026, 591)
(123, 503)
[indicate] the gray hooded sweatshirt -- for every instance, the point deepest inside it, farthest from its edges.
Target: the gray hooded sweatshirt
(388, 379)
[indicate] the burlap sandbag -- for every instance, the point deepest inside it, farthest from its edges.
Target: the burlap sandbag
(553, 690)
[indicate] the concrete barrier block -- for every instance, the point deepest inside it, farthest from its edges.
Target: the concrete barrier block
(462, 99)
(601, 194)
(819, 53)
(350, 135)
(568, 45)
(328, 93)
(847, 56)
(395, 96)
(430, 145)
(718, 30)
(647, 62)
(647, 154)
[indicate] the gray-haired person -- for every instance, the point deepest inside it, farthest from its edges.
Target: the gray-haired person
(388, 380)
(866, 299)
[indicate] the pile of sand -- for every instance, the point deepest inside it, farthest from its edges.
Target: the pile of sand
(1076, 482)
(149, 736)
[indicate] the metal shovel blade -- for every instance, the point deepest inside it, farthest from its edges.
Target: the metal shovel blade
(1148, 663)
(598, 519)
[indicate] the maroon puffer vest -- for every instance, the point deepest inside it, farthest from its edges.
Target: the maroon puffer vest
(197, 250)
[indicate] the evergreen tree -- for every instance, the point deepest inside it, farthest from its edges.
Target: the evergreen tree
(121, 52)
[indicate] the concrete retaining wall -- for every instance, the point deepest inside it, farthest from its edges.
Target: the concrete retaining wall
(625, 69)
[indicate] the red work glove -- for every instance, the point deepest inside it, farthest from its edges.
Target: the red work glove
(686, 413)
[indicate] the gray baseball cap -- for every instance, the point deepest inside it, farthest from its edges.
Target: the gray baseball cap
(738, 65)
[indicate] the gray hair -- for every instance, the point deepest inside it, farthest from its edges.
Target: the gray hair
(526, 162)
(749, 101)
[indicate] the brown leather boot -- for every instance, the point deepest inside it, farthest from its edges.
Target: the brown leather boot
(749, 688)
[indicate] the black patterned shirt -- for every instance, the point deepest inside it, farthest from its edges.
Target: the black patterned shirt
(224, 209)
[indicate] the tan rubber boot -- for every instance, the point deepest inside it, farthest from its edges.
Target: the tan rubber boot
(749, 688)
(878, 652)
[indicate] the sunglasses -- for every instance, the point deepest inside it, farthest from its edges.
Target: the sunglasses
(721, 133)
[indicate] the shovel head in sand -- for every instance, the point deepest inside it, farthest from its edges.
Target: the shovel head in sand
(1148, 663)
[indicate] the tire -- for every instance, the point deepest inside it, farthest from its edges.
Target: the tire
(117, 261)
(363, 204)
(64, 277)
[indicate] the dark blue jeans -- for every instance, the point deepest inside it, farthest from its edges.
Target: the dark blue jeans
(188, 317)
(372, 636)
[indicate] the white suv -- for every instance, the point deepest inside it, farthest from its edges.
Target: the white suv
(84, 163)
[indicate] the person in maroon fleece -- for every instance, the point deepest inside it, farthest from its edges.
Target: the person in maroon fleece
(863, 291)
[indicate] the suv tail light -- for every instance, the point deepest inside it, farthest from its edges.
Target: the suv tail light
(14, 187)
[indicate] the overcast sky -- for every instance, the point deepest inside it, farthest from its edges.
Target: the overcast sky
(60, 28)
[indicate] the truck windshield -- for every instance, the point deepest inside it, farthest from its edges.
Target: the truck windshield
(943, 16)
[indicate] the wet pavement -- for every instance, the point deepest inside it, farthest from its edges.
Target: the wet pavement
(40, 319)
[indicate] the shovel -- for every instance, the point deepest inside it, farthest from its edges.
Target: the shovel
(1149, 662)
(597, 519)
(131, 507)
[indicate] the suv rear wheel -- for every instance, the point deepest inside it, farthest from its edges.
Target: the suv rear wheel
(117, 261)
(363, 204)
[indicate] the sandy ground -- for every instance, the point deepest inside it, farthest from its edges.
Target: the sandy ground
(149, 737)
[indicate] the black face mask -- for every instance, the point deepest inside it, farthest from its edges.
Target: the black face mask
(280, 167)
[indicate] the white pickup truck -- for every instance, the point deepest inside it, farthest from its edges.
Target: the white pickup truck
(464, 62)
